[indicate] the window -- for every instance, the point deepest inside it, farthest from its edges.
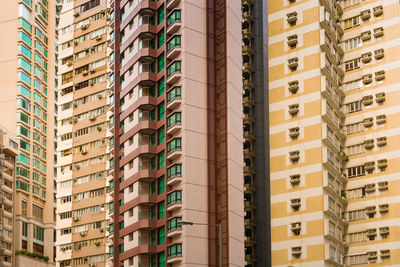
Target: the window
(173, 68)
(160, 62)
(352, 64)
(356, 171)
(174, 93)
(160, 185)
(174, 251)
(161, 111)
(24, 208)
(174, 171)
(160, 14)
(24, 229)
(174, 119)
(160, 160)
(174, 42)
(160, 135)
(174, 197)
(160, 210)
(161, 235)
(38, 233)
(161, 259)
(354, 106)
(175, 144)
(351, 22)
(160, 38)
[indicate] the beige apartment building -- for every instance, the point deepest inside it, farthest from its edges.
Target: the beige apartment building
(334, 104)
(8, 155)
(27, 106)
(82, 125)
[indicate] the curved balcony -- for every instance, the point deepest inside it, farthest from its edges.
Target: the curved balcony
(171, 4)
(174, 97)
(174, 148)
(174, 123)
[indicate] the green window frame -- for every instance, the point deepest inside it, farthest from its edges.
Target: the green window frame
(160, 160)
(22, 130)
(160, 38)
(160, 14)
(24, 104)
(36, 163)
(161, 235)
(174, 171)
(160, 210)
(161, 259)
(174, 251)
(174, 17)
(23, 172)
(25, 51)
(38, 46)
(24, 91)
(174, 144)
(25, 64)
(160, 185)
(121, 248)
(161, 135)
(24, 145)
(173, 224)
(23, 117)
(161, 62)
(37, 98)
(161, 111)
(174, 93)
(24, 159)
(24, 37)
(174, 197)
(173, 68)
(22, 76)
(22, 185)
(174, 119)
(25, 24)
(174, 42)
(160, 87)
(38, 58)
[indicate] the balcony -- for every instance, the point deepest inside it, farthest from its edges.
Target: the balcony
(365, 36)
(171, 4)
(381, 141)
(367, 100)
(174, 123)
(291, 17)
(173, 47)
(369, 144)
(378, 32)
(366, 58)
(292, 40)
(378, 11)
(366, 79)
(379, 75)
(379, 54)
(174, 201)
(293, 86)
(381, 119)
(380, 97)
(174, 149)
(174, 98)
(365, 15)
(174, 22)
(174, 174)
(174, 72)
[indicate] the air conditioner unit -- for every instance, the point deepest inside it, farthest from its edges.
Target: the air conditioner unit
(97, 243)
(84, 152)
(75, 219)
(92, 70)
(63, 249)
(77, 167)
(98, 38)
(83, 234)
(75, 42)
(85, 72)
(69, 63)
(92, 118)
(101, 230)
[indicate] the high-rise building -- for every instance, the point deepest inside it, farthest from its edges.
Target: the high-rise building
(333, 132)
(82, 128)
(255, 130)
(177, 133)
(8, 155)
(27, 71)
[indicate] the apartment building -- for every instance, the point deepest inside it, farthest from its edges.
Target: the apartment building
(82, 127)
(8, 155)
(333, 132)
(27, 108)
(255, 129)
(177, 127)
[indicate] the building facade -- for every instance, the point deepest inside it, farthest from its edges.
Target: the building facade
(177, 127)
(8, 156)
(255, 130)
(82, 127)
(26, 71)
(333, 121)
